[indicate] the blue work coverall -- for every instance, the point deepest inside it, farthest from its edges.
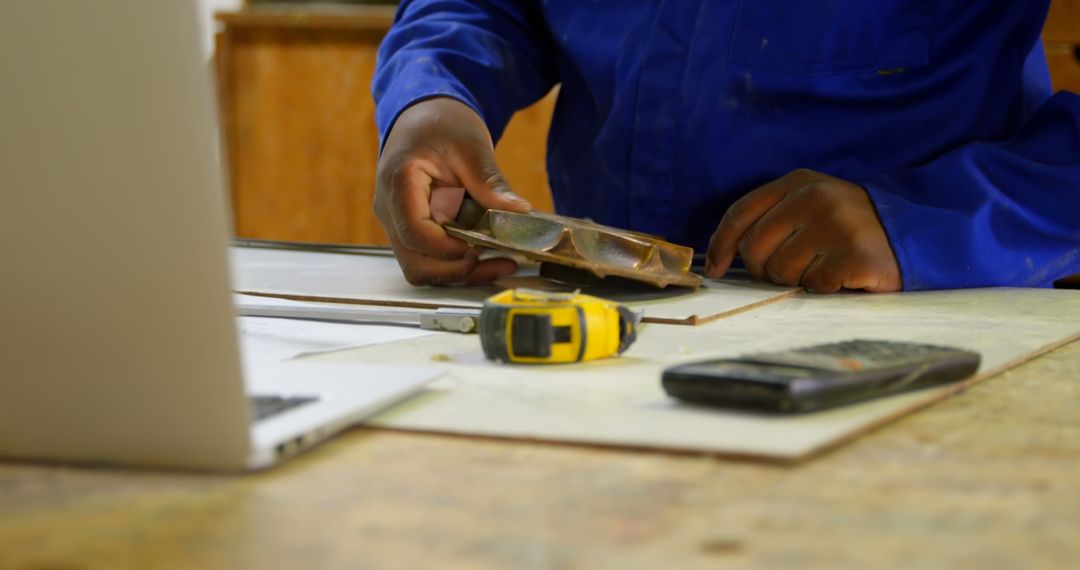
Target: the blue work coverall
(670, 110)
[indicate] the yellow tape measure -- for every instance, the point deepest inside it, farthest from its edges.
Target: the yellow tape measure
(536, 327)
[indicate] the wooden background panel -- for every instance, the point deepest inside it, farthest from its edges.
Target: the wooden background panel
(299, 125)
(1062, 38)
(1063, 24)
(302, 141)
(1064, 66)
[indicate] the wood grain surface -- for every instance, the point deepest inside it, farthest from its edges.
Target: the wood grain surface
(1063, 22)
(988, 480)
(299, 124)
(300, 133)
(1062, 39)
(1064, 66)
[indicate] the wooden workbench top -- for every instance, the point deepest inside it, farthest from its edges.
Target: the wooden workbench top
(986, 480)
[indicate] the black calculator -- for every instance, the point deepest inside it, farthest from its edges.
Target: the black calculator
(818, 377)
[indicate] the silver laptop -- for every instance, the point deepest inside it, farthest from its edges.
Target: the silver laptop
(118, 343)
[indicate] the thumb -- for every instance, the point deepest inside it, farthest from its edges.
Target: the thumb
(475, 166)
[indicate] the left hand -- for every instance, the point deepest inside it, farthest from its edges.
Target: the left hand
(807, 229)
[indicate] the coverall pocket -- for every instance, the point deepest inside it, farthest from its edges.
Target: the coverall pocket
(832, 36)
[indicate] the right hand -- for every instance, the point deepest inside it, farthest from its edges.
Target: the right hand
(439, 145)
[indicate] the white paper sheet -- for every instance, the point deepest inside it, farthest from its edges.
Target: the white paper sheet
(378, 279)
(620, 401)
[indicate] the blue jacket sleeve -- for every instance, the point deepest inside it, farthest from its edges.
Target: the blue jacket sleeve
(492, 55)
(1003, 213)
